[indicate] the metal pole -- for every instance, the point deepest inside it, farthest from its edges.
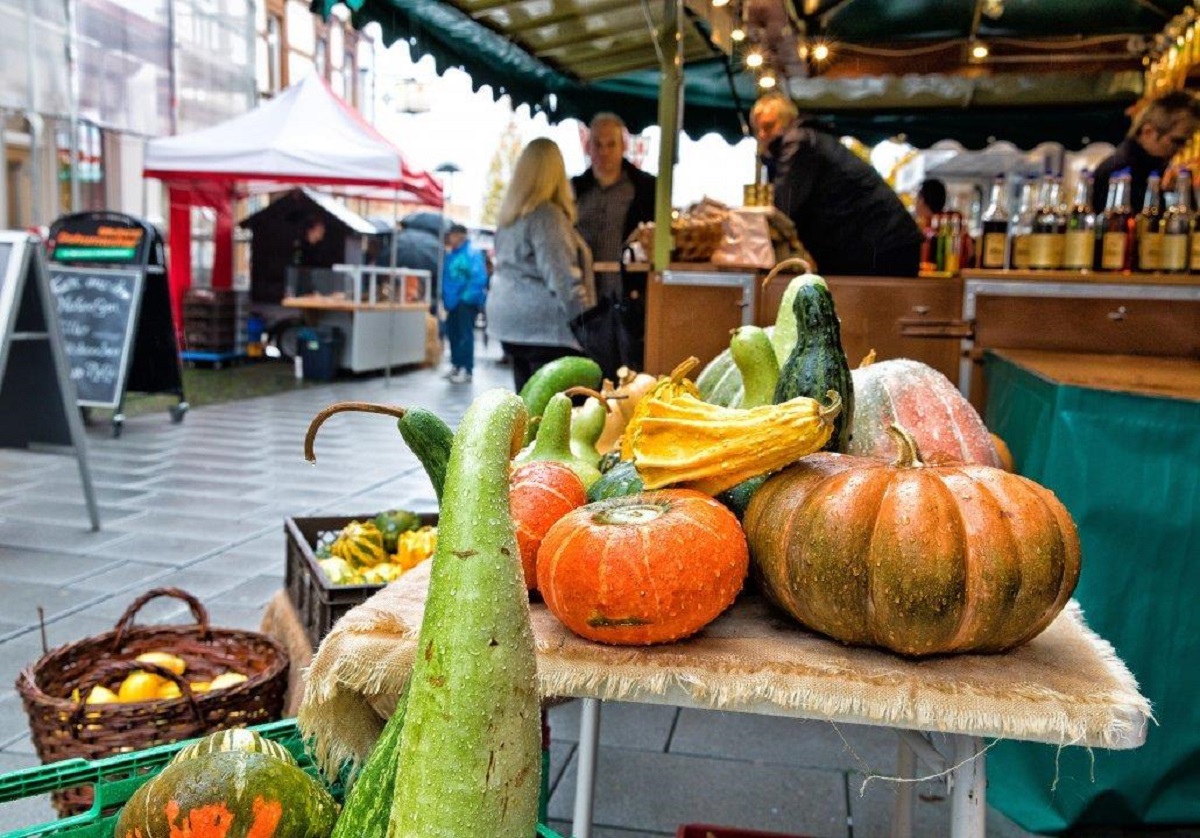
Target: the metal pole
(906, 769)
(3, 169)
(387, 362)
(670, 113)
(968, 807)
(32, 116)
(73, 103)
(585, 776)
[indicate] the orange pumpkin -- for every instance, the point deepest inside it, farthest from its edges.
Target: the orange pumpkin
(642, 569)
(540, 493)
(914, 558)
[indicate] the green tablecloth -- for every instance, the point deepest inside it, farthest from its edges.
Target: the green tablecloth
(1128, 469)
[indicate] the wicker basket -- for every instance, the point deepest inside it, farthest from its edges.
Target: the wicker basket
(694, 237)
(63, 728)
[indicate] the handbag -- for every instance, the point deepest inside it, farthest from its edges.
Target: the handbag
(603, 332)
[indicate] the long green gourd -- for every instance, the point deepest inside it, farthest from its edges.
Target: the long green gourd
(469, 758)
(368, 806)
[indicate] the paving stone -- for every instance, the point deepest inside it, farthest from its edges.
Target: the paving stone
(624, 724)
(223, 530)
(105, 495)
(14, 722)
(20, 565)
(160, 549)
(121, 576)
(872, 810)
(19, 603)
(62, 537)
(230, 615)
(645, 790)
(66, 508)
(152, 613)
(563, 828)
(164, 502)
(201, 486)
(242, 563)
(253, 592)
(28, 811)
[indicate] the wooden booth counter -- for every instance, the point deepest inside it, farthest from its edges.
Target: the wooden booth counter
(945, 322)
(381, 313)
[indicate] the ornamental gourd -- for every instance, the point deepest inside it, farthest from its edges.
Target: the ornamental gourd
(643, 569)
(918, 559)
(229, 795)
(921, 400)
(541, 492)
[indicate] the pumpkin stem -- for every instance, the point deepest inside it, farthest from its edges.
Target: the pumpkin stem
(630, 512)
(908, 454)
(867, 360)
(680, 372)
(343, 407)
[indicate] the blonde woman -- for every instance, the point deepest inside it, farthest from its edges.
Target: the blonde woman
(543, 269)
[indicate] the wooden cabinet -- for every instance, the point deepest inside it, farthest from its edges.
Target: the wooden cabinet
(874, 312)
(691, 309)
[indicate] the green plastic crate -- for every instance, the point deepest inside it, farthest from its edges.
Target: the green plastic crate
(116, 778)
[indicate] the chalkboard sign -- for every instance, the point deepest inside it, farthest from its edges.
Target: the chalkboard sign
(37, 401)
(97, 311)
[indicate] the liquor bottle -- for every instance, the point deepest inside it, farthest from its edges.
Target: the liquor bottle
(1022, 227)
(1079, 247)
(994, 251)
(1177, 226)
(1047, 238)
(1149, 227)
(1116, 242)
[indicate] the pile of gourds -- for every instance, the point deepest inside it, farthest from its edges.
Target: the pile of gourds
(141, 685)
(378, 551)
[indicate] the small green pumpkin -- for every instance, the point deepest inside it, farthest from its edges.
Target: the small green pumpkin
(360, 544)
(237, 739)
(229, 795)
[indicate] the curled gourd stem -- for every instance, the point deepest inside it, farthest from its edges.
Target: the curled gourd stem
(867, 360)
(680, 372)
(829, 412)
(590, 393)
(908, 454)
(344, 407)
(786, 264)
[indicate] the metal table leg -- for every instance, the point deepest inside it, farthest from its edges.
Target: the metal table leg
(906, 769)
(585, 779)
(968, 792)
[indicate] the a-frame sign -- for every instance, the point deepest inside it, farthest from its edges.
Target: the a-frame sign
(108, 275)
(37, 399)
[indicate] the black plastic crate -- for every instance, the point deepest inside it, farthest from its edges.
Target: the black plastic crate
(318, 603)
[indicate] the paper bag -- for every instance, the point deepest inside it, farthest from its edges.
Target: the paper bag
(747, 239)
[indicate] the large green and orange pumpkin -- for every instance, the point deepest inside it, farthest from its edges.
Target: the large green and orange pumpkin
(923, 402)
(918, 559)
(229, 794)
(642, 569)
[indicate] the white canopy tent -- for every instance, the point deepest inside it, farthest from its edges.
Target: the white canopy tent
(306, 135)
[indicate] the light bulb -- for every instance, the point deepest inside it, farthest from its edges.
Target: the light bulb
(754, 59)
(979, 51)
(820, 52)
(767, 81)
(737, 35)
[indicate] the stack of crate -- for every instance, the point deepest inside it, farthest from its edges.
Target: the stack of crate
(214, 321)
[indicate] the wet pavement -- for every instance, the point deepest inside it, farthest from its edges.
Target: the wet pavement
(200, 505)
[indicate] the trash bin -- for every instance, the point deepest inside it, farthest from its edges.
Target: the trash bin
(320, 351)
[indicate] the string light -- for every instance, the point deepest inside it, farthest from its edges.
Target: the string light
(766, 81)
(716, 4)
(979, 51)
(737, 34)
(754, 59)
(820, 52)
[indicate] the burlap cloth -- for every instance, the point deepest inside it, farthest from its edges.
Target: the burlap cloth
(1066, 687)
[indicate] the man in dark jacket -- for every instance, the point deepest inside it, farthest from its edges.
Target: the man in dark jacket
(613, 196)
(1160, 129)
(848, 217)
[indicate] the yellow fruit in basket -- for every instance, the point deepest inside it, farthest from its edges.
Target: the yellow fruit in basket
(139, 686)
(169, 689)
(381, 574)
(200, 686)
(102, 695)
(226, 679)
(337, 571)
(414, 547)
(360, 544)
(165, 660)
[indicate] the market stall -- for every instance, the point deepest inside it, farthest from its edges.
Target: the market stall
(1113, 436)
(306, 134)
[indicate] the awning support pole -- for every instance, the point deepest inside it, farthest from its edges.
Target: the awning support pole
(670, 117)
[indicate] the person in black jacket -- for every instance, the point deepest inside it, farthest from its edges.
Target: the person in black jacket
(1159, 130)
(613, 197)
(848, 217)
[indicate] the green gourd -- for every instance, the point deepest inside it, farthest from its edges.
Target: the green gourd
(469, 757)
(785, 334)
(587, 424)
(555, 377)
(620, 480)
(368, 806)
(817, 363)
(553, 441)
(754, 356)
(429, 438)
